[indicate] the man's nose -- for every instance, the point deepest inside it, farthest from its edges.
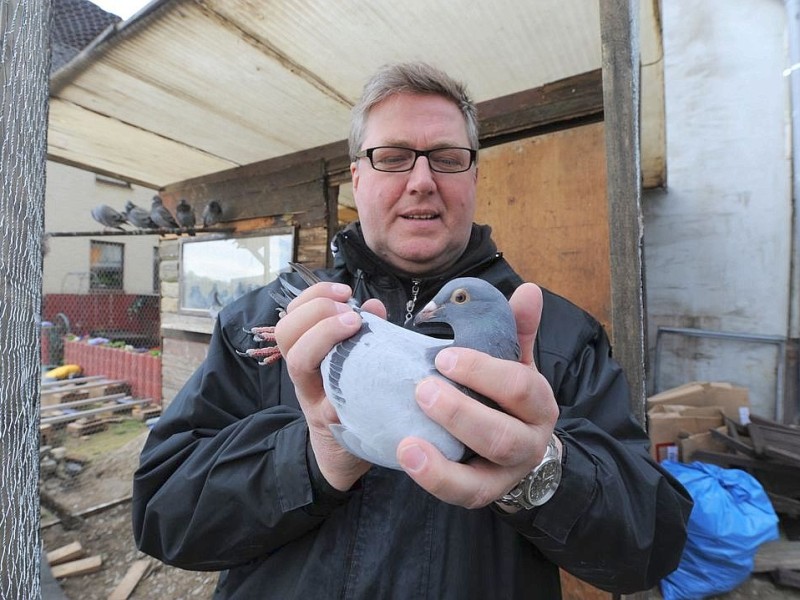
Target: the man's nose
(421, 178)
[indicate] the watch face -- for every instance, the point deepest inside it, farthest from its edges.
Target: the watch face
(545, 482)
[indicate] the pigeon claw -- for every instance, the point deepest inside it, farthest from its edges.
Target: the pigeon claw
(264, 356)
(262, 334)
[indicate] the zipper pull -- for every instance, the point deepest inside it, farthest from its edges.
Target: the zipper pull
(411, 304)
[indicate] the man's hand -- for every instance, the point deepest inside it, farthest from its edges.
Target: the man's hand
(508, 444)
(314, 323)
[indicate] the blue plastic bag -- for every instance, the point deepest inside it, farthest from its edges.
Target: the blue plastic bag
(731, 518)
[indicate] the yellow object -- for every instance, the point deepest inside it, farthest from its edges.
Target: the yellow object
(63, 372)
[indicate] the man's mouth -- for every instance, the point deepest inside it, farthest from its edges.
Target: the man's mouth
(425, 217)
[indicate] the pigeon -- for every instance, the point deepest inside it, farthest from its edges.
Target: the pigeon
(138, 216)
(107, 216)
(184, 215)
(212, 214)
(370, 378)
(161, 215)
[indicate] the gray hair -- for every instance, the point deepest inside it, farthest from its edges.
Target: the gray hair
(411, 78)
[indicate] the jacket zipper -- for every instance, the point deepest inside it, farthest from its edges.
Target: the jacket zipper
(412, 303)
(415, 285)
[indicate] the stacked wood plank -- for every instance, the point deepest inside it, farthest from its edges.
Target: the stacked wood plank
(770, 451)
(69, 561)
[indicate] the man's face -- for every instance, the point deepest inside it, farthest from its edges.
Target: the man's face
(418, 221)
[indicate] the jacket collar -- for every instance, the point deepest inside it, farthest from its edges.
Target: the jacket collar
(350, 251)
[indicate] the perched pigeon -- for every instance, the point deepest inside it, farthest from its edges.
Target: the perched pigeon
(107, 216)
(184, 215)
(161, 215)
(371, 377)
(212, 214)
(138, 216)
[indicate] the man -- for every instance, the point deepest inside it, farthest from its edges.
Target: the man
(242, 473)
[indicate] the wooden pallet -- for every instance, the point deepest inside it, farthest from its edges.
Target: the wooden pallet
(77, 380)
(70, 391)
(123, 404)
(55, 408)
(143, 413)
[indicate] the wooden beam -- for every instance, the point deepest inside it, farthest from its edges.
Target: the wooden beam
(75, 403)
(620, 50)
(83, 566)
(557, 105)
(95, 411)
(64, 554)
(564, 103)
(619, 36)
(132, 578)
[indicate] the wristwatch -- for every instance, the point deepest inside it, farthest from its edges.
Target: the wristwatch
(540, 484)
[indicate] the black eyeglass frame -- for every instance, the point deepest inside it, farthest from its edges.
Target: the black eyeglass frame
(367, 153)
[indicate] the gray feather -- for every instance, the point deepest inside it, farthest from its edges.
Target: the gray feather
(371, 377)
(109, 217)
(138, 216)
(161, 215)
(184, 215)
(212, 214)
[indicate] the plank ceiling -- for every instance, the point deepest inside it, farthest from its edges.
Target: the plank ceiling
(191, 87)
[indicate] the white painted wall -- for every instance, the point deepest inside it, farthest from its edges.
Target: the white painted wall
(70, 194)
(717, 240)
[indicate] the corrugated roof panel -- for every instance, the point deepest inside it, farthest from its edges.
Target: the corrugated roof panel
(210, 88)
(499, 48)
(204, 85)
(80, 136)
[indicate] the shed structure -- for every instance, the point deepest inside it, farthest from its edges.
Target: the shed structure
(248, 103)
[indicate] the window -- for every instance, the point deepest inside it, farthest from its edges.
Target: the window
(216, 271)
(106, 260)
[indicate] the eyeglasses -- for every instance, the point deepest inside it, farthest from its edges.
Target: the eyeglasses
(396, 159)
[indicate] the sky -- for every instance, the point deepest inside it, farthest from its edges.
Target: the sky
(121, 8)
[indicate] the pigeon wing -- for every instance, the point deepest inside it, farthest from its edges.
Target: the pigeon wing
(370, 379)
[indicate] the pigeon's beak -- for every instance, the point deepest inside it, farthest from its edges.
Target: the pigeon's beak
(430, 313)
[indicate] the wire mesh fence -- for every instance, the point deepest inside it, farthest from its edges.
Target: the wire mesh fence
(99, 393)
(101, 364)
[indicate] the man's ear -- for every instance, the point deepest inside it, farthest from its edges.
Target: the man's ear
(355, 176)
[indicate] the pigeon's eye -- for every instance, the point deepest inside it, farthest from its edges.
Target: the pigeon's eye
(460, 296)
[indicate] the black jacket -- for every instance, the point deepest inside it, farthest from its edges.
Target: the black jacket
(227, 482)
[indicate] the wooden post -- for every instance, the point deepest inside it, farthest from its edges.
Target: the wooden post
(619, 30)
(619, 33)
(24, 66)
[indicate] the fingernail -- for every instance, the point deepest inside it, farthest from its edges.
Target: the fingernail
(427, 392)
(413, 458)
(446, 361)
(348, 318)
(340, 289)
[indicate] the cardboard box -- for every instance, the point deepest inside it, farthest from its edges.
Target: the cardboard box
(734, 401)
(691, 409)
(700, 441)
(667, 424)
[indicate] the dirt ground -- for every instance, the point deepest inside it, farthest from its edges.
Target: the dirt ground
(108, 534)
(107, 479)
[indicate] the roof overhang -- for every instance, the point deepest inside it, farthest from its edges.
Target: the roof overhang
(191, 87)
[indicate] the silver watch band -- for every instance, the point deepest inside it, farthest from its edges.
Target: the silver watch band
(519, 496)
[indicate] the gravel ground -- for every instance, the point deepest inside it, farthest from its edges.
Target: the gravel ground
(108, 534)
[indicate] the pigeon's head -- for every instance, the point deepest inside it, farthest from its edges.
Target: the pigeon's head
(157, 200)
(129, 206)
(461, 298)
(478, 314)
